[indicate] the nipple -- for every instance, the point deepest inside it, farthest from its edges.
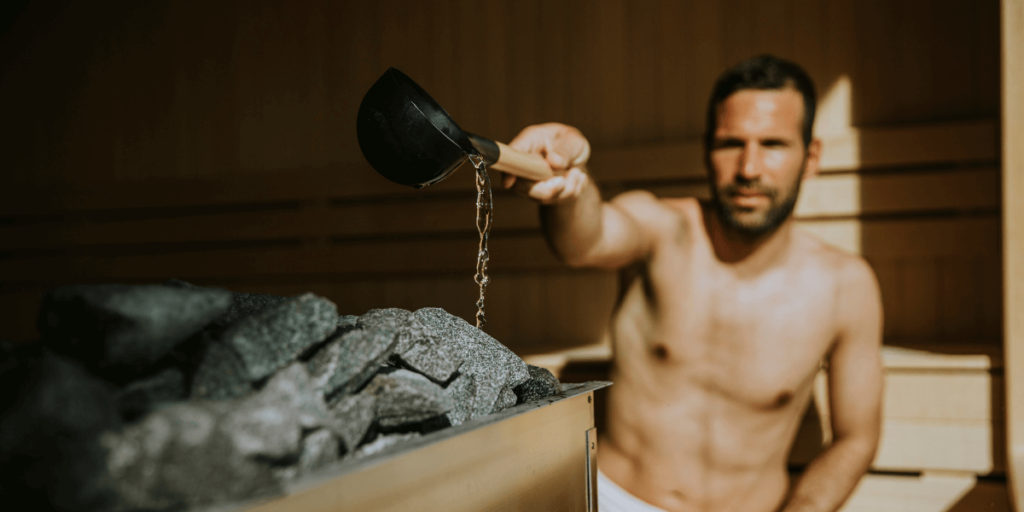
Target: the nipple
(784, 398)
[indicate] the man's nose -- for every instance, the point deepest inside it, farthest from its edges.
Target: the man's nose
(750, 161)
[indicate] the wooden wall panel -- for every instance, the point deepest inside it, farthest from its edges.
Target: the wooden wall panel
(1012, 78)
(826, 197)
(156, 90)
(216, 142)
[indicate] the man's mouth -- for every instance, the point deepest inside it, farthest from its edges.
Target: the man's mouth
(749, 198)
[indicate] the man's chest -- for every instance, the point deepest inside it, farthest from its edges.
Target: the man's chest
(756, 340)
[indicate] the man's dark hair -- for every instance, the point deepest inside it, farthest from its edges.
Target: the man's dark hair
(764, 72)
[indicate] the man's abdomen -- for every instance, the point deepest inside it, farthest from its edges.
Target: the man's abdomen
(686, 449)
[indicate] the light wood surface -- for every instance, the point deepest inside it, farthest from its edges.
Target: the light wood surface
(523, 461)
(1013, 235)
(521, 164)
(939, 492)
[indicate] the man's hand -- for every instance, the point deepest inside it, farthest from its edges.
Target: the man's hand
(566, 151)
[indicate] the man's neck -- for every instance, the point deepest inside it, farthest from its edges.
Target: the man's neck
(741, 250)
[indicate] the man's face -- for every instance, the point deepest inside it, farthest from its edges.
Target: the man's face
(758, 159)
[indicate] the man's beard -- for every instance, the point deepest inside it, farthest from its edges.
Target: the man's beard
(778, 210)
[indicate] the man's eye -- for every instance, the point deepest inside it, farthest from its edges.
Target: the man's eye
(728, 143)
(773, 144)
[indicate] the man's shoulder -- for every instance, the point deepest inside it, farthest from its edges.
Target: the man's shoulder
(854, 281)
(643, 203)
(654, 212)
(850, 269)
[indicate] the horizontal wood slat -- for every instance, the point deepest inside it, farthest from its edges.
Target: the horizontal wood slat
(958, 357)
(912, 145)
(863, 148)
(362, 219)
(350, 180)
(919, 192)
(976, 446)
(939, 492)
(872, 194)
(938, 440)
(943, 395)
(826, 196)
(406, 256)
(953, 143)
(879, 239)
(925, 428)
(905, 238)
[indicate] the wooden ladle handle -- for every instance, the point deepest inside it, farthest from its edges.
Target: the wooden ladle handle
(503, 158)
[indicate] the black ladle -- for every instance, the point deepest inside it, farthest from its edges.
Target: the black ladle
(408, 138)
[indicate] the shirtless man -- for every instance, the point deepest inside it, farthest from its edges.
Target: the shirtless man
(727, 312)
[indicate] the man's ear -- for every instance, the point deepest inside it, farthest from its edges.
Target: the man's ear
(813, 165)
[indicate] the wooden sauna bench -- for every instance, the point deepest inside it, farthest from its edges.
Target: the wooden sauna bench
(943, 428)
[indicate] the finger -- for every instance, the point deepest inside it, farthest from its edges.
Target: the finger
(582, 182)
(548, 190)
(531, 139)
(574, 180)
(555, 154)
(562, 146)
(584, 154)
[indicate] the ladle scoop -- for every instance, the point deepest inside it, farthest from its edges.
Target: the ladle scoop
(409, 139)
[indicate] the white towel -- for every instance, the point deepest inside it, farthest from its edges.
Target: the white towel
(612, 498)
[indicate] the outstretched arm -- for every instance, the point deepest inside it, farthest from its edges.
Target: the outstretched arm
(855, 396)
(582, 229)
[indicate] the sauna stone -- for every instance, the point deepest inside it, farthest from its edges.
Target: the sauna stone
(348, 362)
(50, 453)
(140, 396)
(277, 335)
(353, 416)
(419, 348)
(113, 325)
(493, 366)
(242, 304)
(404, 397)
(248, 304)
(408, 328)
(319, 449)
(462, 390)
(432, 359)
(346, 323)
(384, 442)
(270, 423)
(183, 456)
(278, 387)
(506, 398)
(542, 384)
(221, 374)
(294, 386)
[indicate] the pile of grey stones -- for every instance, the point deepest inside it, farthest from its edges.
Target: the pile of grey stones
(173, 396)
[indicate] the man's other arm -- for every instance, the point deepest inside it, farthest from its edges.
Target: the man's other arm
(855, 397)
(582, 230)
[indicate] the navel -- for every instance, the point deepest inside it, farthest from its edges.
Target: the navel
(660, 352)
